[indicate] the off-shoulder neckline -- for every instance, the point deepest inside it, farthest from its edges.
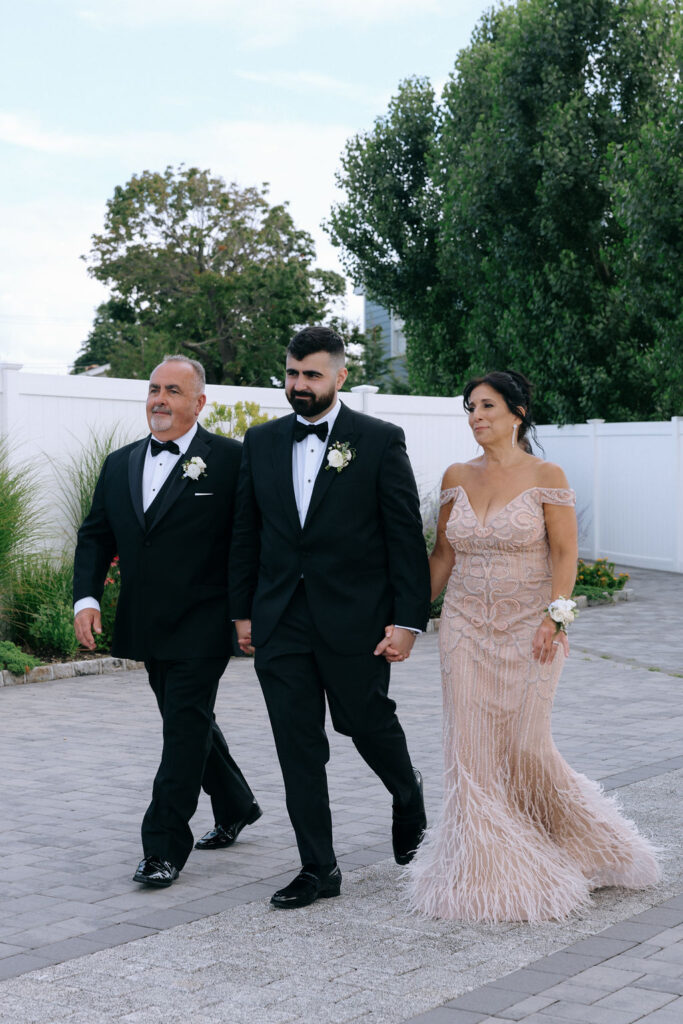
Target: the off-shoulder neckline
(487, 523)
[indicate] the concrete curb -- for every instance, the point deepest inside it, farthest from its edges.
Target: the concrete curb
(69, 669)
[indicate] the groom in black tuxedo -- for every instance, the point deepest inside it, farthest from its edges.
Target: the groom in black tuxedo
(329, 583)
(165, 506)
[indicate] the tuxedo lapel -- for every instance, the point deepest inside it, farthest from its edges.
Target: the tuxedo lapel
(341, 431)
(136, 462)
(176, 482)
(282, 468)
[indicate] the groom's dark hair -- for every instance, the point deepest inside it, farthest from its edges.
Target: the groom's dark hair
(317, 339)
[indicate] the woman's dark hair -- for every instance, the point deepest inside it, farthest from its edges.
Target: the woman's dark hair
(516, 390)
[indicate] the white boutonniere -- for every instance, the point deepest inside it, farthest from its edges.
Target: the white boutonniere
(563, 612)
(194, 468)
(339, 455)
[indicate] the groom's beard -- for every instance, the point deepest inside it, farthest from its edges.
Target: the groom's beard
(309, 405)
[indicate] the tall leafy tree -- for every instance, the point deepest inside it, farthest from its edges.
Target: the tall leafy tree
(513, 184)
(647, 177)
(199, 266)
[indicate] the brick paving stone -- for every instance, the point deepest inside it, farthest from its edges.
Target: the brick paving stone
(671, 1014)
(489, 998)
(635, 1000)
(606, 976)
(647, 966)
(667, 917)
(567, 964)
(522, 1010)
(572, 992)
(528, 980)
(631, 930)
(660, 983)
(600, 946)
(582, 1014)
(81, 810)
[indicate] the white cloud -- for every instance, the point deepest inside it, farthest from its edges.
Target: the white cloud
(27, 132)
(46, 296)
(305, 81)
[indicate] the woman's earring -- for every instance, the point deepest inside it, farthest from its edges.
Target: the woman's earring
(514, 435)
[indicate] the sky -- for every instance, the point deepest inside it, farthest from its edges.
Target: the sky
(95, 91)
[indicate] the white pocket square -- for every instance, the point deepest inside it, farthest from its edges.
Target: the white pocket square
(203, 494)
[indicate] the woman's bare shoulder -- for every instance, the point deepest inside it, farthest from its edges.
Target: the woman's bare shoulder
(456, 474)
(549, 474)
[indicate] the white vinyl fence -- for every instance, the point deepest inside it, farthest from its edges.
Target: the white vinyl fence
(628, 476)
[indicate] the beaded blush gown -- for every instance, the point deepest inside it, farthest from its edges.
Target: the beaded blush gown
(521, 836)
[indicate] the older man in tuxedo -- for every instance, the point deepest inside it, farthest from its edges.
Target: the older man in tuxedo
(329, 583)
(165, 506)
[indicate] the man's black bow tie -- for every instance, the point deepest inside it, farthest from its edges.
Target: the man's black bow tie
(302, 430)
(166, 446)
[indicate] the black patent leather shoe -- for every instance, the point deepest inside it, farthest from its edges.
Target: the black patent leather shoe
(154, 871)
(306, 888)
(221, 836)
(407, 830)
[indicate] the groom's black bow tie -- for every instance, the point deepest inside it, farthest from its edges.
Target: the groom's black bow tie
(166, 446)
(302, 430)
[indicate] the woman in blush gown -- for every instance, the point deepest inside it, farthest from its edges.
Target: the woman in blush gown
(521, 836)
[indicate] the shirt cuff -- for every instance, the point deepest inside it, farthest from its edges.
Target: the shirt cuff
(86, 602)
(411, 629)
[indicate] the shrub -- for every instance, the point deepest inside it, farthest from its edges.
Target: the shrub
(234, 420)
(14, 659)
(19, 518)
(42, 607)
(597, 581)
(52, 630)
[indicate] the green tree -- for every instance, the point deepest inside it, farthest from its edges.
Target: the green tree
(647, 176)
(199, 266)
(519, 252)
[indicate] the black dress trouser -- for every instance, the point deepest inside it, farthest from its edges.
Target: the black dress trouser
(195, 756)
(297, 670)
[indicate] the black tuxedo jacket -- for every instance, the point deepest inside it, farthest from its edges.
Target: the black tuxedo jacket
(361, 550)
(174, 570)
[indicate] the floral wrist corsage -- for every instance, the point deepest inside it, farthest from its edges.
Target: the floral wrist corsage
(563, 612)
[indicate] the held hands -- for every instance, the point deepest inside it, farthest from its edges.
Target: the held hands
(87, 622)
(547, 640)
(243, 630)
(397, 644)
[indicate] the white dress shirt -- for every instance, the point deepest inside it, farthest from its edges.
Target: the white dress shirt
(307, 457)
(157, 468)
(155, 473)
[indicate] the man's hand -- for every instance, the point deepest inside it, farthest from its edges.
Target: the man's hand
(87, 622)
(243, 630)
(397, 643)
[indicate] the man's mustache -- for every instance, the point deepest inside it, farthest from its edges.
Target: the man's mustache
(160, 408)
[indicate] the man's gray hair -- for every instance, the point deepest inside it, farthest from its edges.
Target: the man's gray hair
(196, 366)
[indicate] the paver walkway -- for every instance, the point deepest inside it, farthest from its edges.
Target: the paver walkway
(79, 942)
